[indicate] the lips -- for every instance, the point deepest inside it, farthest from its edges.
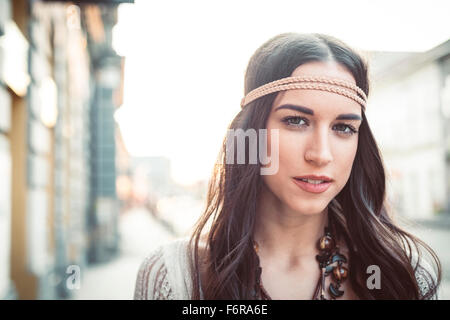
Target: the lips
(313, 188)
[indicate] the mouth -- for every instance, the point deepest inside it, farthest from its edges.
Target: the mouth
(313, 186)
(313, 181)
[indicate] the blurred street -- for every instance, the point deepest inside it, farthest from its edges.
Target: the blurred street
(139, 234)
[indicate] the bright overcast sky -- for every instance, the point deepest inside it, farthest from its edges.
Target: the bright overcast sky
(185, 61)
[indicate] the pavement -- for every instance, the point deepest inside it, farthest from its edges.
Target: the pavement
(115, 280)
(141, 232)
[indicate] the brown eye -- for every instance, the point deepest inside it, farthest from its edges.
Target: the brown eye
(346, 129)
(294, 121)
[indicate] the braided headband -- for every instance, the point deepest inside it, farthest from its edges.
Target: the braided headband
(338, 86)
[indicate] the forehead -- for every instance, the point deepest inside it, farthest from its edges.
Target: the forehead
(324, 68)
(318, 100)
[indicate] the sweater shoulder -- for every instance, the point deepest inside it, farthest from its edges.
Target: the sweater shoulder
(162, 274)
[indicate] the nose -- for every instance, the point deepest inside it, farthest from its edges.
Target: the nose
(319, 149)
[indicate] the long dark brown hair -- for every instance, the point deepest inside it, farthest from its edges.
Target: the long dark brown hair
(359, 212)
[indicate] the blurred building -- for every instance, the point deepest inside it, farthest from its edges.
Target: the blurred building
(151, 180)
(6, 100)
(409, 112)
(106, 79)
(60, 82)
(124, 185)
(157, 172)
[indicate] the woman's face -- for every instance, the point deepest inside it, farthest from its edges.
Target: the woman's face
(312, 144)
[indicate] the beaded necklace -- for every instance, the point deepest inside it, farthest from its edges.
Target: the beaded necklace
(330, 262)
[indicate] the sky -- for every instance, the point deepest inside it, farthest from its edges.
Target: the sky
(185, 62)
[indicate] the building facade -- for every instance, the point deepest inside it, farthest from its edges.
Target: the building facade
(60, 82)
(409, 114)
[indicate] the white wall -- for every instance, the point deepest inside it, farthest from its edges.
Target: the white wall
(406, 121)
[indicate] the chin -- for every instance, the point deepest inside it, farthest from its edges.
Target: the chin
(302, 207)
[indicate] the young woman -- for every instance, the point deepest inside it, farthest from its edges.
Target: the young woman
(316, 226)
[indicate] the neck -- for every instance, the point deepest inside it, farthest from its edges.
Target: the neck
(284, 233)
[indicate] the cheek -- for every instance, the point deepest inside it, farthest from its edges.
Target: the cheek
(344, 156)
(287, 153)
(289, 163)
(290, 153)
(289, 147)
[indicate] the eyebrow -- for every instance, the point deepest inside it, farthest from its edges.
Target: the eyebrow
(345, 116)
